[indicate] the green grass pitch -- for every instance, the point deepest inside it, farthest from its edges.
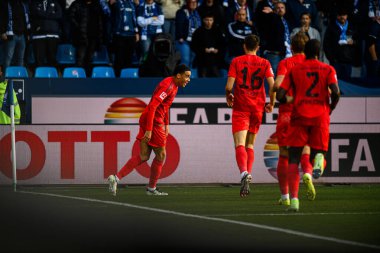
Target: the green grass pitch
(342, 218)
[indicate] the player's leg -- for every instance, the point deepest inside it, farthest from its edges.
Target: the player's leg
(294, 177)
(249, 148)
(241, 160)
(158, 144)
(155, 171)
(133, 162)
(319, 162)
(307, 169)
(282, 176)
(319, 142)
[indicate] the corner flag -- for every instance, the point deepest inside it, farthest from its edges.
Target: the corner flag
(8, 98)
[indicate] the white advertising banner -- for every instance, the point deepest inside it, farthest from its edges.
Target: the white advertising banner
(185, 110)
(87, 154)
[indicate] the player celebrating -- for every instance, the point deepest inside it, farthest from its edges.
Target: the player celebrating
(246, 76)
(283, 124)
(311, 82)
(154, 129)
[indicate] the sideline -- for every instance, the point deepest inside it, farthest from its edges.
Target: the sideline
(276, 229)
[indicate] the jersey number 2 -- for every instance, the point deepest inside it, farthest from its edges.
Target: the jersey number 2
(314, 75)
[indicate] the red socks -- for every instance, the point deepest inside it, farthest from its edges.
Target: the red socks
(132, 163)
(306, 165)
(293, 180)
(241, 158)
(250, 159)
(282, 174)
(155, 172)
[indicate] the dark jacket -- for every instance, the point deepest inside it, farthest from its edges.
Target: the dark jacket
(335, 53)
(202, 39)
(46, 17)
(236, 32)
(20, 17)
(86, 22)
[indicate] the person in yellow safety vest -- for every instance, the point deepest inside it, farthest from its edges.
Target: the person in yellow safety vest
(4, 118)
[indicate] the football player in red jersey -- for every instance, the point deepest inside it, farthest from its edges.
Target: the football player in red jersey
(245, 93)
(283, 125)
(312, 82)
(154, 129)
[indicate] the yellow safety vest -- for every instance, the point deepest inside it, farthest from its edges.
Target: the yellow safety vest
(4, 118)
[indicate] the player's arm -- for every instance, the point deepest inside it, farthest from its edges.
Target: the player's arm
(277, 82)
(283, 89)
(272, 94)
(335, 95)
(229, 87)
(151, 108)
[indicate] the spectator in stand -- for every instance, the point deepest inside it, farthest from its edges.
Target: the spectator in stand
(294, 9)
(45, 21)
(232, 8)
(262, 17)
(65, 21)
(340, 45)
(212, 6)
(373, 63)
(277, 43)
(169, 8)
(125, 33)
(236, 33)
(14, 30)
(150, 19)
(305, 27)
(107, 25)
(209, 46)
(86, 30)
(187, 20)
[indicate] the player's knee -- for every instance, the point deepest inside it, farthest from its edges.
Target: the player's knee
(161, 156)
(144, 157)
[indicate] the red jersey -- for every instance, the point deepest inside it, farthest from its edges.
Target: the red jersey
(157, 110)
(284, 67)
(309, 81)
(249, 72)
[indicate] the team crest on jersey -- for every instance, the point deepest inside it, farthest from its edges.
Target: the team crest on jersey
(163, 95)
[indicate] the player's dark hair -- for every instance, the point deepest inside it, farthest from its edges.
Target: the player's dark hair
(312, 48)
(251, 42)
(298, 42)
(180, 69)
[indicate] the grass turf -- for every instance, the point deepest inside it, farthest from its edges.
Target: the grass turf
(344, 212)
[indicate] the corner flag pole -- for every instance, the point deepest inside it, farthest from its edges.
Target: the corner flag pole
(13, 135)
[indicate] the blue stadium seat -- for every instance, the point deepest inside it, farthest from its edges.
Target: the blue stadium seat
(129, 73)
(101, 57)
(74, 72)
(103, 72)
(66, 54)
(46, 72)
(16, 71)
(194, 73)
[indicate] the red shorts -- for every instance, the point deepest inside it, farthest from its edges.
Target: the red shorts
(158, 138)
(314, 133)
(250, 121)
(282, 128)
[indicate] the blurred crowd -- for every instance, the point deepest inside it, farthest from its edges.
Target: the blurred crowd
(204, 34)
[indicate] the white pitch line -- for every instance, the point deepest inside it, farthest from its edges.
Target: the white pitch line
(295, 214)
(276, 229)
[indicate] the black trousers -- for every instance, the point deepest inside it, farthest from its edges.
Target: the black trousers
(45, 51)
